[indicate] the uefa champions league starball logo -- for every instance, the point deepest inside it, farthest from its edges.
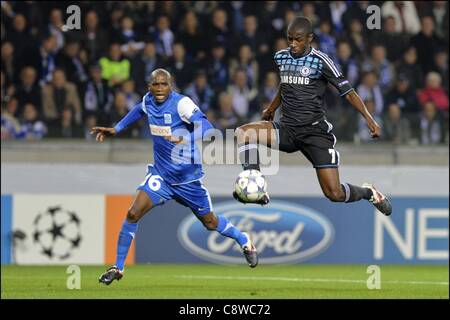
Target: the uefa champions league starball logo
(58, 233)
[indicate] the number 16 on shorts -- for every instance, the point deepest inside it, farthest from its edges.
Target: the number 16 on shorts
(152, 181)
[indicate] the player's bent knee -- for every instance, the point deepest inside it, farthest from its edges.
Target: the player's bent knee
(240, 132)
(133, 215)
(209, 227)
(210, 224)
(246, 133)
(334, 195)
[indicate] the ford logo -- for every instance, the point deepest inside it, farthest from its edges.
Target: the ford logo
(283, 233)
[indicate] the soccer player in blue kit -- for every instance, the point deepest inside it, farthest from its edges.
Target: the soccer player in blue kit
(173, 176)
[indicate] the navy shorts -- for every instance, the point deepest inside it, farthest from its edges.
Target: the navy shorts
(316, 141)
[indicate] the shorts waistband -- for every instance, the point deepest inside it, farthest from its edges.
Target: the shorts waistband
(278, 124)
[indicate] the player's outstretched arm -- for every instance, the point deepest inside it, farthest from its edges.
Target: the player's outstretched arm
(131, 117)
(102, 132)
(269, 112)
(358, 104)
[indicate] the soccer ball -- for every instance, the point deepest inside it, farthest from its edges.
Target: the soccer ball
(250, 185)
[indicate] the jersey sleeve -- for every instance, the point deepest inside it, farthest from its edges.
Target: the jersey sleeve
(279, 56)
(143, 103)
(135, 114)
(276, 59)
(334, 76)
(186, 109)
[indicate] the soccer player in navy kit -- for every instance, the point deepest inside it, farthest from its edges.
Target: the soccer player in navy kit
(173, 119)
(304, 74)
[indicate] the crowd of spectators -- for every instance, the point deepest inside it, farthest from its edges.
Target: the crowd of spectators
(59, 83)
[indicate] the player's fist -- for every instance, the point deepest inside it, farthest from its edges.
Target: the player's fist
(102, 132)
(375, 129)
(267, 114)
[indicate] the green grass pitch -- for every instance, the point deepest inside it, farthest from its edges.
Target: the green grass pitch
(182, 281)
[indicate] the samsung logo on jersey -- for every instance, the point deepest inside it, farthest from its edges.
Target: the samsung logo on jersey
(283, 233)
(294, 80)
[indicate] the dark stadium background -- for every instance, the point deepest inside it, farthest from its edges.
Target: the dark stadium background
(220, 54)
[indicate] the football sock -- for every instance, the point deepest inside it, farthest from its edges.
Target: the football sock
(227, 229)
(126, 236)
(355, 193)
(249, 156)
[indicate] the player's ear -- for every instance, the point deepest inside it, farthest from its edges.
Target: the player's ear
(310, 37)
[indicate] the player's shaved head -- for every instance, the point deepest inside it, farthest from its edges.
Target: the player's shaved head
(160, 71)
(299, 35)
(301, 24)
(160, 84)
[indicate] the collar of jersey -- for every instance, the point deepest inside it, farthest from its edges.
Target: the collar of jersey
(310, 51)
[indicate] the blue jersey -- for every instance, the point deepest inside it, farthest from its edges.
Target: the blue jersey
(176, 164)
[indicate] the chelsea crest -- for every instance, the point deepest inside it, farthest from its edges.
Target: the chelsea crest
(305, 71)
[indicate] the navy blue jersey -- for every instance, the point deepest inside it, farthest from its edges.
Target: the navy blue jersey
(303, 81)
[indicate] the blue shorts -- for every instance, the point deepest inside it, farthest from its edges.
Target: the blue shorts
(193, 194)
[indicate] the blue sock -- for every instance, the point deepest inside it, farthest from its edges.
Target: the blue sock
(126, 236)
(227, 229)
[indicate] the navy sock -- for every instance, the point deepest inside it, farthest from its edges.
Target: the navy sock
(126, 236)
(227, 229)
(249, 156)
(355, 193)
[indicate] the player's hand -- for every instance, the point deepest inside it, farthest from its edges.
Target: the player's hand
(103, 132)
(375, 129)
(267, 114)
(176, 140)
